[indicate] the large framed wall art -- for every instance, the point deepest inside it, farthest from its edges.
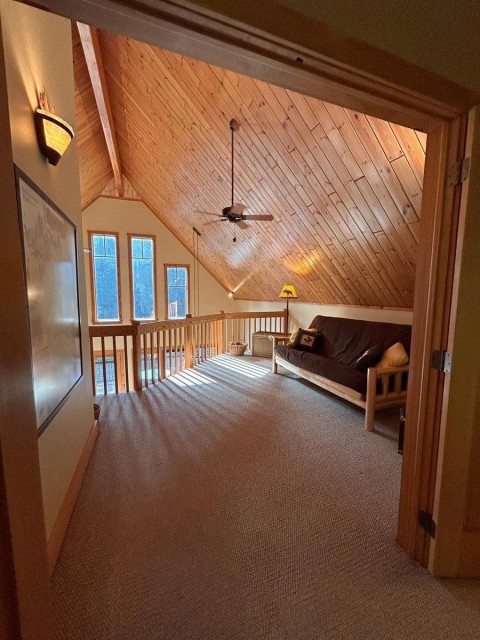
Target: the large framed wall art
(50, 258)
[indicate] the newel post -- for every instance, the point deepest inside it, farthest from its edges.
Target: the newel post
(188, 342)
(137, 356)
(221, 326)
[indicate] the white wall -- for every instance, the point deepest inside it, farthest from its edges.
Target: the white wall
(38, 55)
(302, 313)
(127, 216)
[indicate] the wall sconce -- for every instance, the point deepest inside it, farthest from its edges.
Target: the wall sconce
(54, 135)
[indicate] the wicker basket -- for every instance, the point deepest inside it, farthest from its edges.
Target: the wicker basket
(237, 348)
(263, 343)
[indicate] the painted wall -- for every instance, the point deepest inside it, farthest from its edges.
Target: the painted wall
(302, 313)
(38, 54)
(441, 37)
(127, 216)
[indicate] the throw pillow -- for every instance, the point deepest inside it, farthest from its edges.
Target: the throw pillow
(369, 358)
(394, 356)
(291, 340)
(307, 340)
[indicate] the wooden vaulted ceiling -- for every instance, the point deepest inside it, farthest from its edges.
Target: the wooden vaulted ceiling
(345, 189)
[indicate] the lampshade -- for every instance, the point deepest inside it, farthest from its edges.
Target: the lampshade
(288, 291)
(54, 135)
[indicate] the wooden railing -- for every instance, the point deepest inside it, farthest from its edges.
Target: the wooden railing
(242, 326)
(133, 356)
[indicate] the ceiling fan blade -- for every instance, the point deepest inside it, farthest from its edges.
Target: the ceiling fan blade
(260, 217)
(215, 221)
(237, 209)
(242, 224)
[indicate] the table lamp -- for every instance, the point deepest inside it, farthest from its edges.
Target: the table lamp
(288, 292)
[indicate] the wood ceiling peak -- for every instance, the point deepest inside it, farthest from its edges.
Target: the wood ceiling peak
(345, 189)
(94, 60)
(95, 167)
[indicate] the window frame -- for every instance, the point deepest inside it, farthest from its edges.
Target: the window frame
(95, 319)
(165, 275)
(130, 274)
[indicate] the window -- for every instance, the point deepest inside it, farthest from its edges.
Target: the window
(105, 277)
(142, 277)
(177, 295)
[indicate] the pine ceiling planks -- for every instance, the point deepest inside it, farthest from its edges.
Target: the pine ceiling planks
(345, 189)
(95, 167)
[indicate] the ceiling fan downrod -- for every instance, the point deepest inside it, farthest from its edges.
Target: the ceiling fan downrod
(234, 126)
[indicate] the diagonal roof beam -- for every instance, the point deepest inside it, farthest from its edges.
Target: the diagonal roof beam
(93, 57)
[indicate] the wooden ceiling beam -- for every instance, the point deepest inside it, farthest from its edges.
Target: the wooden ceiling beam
(93, 57)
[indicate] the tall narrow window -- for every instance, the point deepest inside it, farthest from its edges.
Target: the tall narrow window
(177, 295)
(105, 277)
(142, 277)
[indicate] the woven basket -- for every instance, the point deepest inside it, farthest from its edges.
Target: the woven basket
(237, 348)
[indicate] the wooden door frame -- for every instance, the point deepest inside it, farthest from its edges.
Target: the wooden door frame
(457, 535)
(432, 310)
(25, 599)
(282, 47)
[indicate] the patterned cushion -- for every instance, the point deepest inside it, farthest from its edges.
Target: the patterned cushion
(307, 340)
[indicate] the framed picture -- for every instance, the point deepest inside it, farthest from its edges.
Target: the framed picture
(50, 259)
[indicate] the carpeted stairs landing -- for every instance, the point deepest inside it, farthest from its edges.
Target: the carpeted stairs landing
(229, 504)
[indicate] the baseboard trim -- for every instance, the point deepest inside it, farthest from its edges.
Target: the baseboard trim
(55, 541)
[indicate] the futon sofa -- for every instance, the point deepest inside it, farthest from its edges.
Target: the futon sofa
(332, 366)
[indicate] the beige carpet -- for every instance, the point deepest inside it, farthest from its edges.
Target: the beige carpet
(234, 504)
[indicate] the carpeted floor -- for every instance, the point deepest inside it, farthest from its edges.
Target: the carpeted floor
(233, 504)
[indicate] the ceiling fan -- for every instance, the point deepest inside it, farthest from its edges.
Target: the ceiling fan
(234, 213)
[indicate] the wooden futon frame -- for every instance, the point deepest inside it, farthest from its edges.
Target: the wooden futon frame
(384, 386)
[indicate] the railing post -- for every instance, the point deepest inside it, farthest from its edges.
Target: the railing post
(285, 328)
(221, 326)
(188, 343)
(137, 357)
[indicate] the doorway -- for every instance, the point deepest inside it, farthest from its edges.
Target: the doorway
(183, 30)
(428, 104)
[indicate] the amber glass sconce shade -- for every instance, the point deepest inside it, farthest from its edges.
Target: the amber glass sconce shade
(54, 135)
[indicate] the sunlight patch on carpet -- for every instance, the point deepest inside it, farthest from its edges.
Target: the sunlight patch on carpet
(190, 378)
(236, 365)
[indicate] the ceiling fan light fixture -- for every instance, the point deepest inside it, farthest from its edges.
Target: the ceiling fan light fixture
(235, 211)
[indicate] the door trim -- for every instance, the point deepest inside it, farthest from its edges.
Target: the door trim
(432, 306)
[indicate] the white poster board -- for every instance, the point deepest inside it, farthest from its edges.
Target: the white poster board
(50, 254)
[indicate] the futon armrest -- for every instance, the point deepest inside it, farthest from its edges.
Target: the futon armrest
(379, 373)
(278, 339)
(390, 391)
